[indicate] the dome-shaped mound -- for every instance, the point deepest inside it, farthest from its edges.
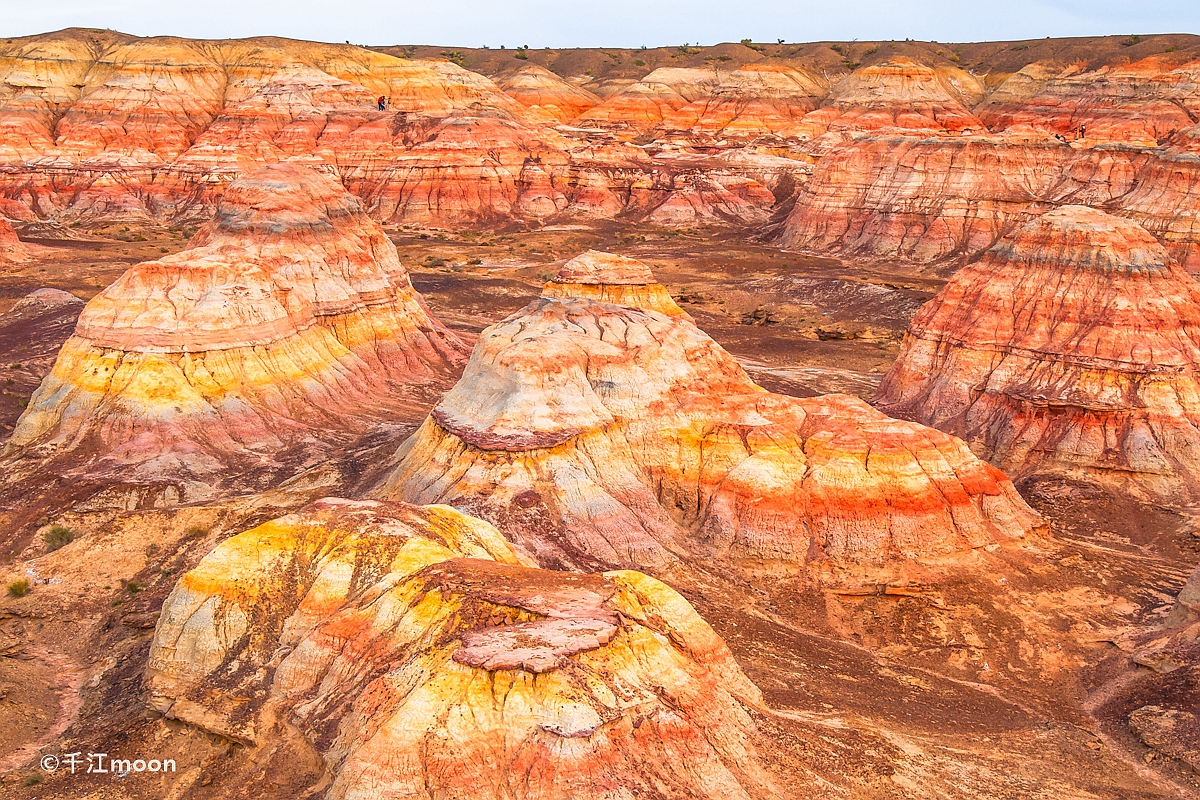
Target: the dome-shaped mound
(611, 433)
(1071, 347)
(287, 321)
(418, 653)
(612, 279)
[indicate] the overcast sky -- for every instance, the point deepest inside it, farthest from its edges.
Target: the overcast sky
(613, 23)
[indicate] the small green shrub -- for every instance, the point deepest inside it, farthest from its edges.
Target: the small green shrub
(132, 587)
(33, 780)
(1131, 41)
(195, 532)
(57, 537)
(18, 588)
(521, 54)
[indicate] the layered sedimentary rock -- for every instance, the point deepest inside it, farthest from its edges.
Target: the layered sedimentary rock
(898, 93)
(287, 319)
(11, 249)
(755, 100)
(923, 199)
(485, 167)
(599, 426)
(540, 90)
(653, 101)
(421, 656)
(1145, 102)
(1165, 198)
(1070, 348)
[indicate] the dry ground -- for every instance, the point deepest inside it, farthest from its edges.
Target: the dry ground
(994, 677)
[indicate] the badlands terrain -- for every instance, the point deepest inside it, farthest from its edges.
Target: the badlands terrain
(750, 421)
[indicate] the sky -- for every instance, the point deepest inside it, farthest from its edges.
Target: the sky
(605, 23)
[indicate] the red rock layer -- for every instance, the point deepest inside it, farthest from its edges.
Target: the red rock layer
(755, 100)
(11, 249)
(1146, 103)
(1165, 198)
(925, 199)
(653, 101)
(1071, 348)
(898, 93)
(541, 91)
(418, 654)
(287, 321)
(601, 433)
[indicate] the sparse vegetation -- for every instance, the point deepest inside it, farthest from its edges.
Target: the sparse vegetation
(58, 536)
(455, 57)
(1170, 49)
(521, 54)
(195, 532)
(33, 780)
(840, 49)
(872, 51)
(1131, 41)
(19, 587)
(752, 45)
(637, 62)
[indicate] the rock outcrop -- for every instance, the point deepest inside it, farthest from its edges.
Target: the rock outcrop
(599, 426)
(11, 249)
(287, 319)
(946, 199)
(543, 92)
(1145, 102)
(898, 93)
(1071, 348)
(755, 100)
(653, 101)
(421, 655)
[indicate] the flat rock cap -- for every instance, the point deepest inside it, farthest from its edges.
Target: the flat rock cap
(605, 268)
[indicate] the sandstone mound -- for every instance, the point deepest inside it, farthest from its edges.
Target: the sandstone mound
(755, 100)
(1145, 102)
(287, 319)
(541, 91)
(11, 249)
(1069, 348)
(652, 102)
(611, 278)
(416, 652)
(617, 434)
(898, 93)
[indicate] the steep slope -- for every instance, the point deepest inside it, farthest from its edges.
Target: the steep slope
(1070, 348)
(652, 102)
(599, 433)
(421, 657)
(288, 319)
(1145, 102)
(755, 100)
(11, 249)
(898, 93)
